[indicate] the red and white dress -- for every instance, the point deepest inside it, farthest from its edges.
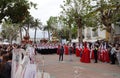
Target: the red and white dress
(66, 50)
(77, 51)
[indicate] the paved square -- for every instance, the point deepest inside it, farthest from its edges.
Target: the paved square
(76, 69)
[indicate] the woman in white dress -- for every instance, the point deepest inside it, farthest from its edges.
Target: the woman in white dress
(31, 51)
(118, 55)
(31, 68)
(22, 65)
(15, 61)
(30, 71)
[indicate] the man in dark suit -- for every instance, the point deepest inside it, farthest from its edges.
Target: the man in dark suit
(96, 53)
(61, 53)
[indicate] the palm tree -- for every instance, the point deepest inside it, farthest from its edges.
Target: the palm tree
(50, 26)
(9, 31)
(37, 24)
(27, 24)
(20, 31)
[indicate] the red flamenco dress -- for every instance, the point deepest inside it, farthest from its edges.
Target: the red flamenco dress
(102, 55)
(107, 58)
(66, 49)
(77, 52)
(99, 55)
(85, 55)
(80, 52)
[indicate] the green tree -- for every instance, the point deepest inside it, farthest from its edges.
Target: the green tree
(37, 24)
(67, 22)
(9, 31)
(51, 26)
(77, 10)
(16, 10)
(108, 12)
(20, 31)
(27, 24)
(67, 32)
(74, 32)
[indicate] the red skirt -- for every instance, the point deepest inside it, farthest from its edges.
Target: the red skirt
(77, 52)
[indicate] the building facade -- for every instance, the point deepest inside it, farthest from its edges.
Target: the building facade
(117, 34)
(90, 35)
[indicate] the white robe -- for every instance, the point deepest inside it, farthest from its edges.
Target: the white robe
(118, 57)
(13, 64)
(16, 60)
(30, 71)
(42, 75)
(22, 67)
(31, 51)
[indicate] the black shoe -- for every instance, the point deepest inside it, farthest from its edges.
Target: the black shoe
(112, 63)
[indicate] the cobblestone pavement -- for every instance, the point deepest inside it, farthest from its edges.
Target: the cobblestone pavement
(76, 69)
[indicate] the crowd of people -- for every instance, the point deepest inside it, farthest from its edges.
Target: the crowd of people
(99, 50)
(19, 61)
(5, 61)
(47, 48)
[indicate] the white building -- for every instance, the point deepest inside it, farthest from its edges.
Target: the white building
(117, 34)
(90, 35)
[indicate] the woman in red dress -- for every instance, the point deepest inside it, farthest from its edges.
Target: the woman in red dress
(77, 51)
(107, 56)
(66, 49)
(86, 54)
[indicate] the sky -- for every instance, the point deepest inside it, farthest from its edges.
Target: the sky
(45, 9)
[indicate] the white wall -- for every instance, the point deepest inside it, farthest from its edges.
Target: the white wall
(100, 33)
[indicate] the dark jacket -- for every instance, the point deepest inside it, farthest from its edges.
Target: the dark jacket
(61, 50)
(6, 72)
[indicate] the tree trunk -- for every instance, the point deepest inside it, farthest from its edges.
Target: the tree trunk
(10, 39)
(20, 34)
(28, 31)
(48, 35)
(70, 34)
(80, 37)
(35, 35)
(25, 30)
(13, 37)
(111, 36)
